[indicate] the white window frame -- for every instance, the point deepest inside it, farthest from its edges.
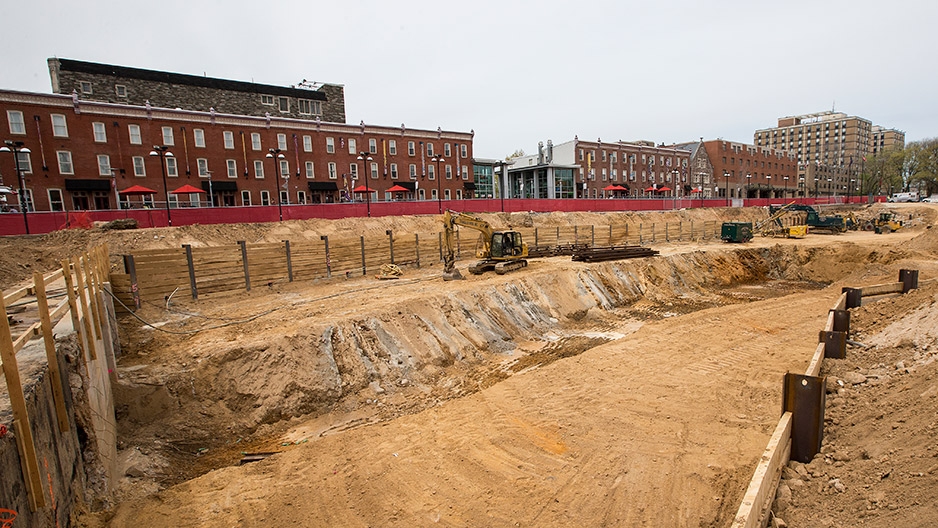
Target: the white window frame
(258, 170)
(59, 125)
(283, 104)
(307, 143)
(310, 170)
(449, 172)
(330, 145)
(86, 87)
(412, 171)
(245, 197)
(99, 130)
(372, 146)
(17, 122)
(353, 170)
(430, 149)
(104, 165)
(308, 107)
(394, 174)
(374, 170)
(202, 164)
(64, 158)
(232, 166)
(431, 172)
(168, 138)
(52, 201)
(463, 151)
(282, 142)
(284, 168)
(267, 100)
(352, 146)
(140, 166)
(411, 148)
(255, 141)
(228, 138)
(447, 152)
(133, 132)
(265, 197)
(172, 168)
(465, 172)
(198, 137)
(26, 164)
(392, 147)
(333, 174)
(120, 90)
(301, 197)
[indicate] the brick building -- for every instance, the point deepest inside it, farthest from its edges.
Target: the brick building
(589, 169)
(80, 150)
(883, 139)
(93, 81)
(750, 171)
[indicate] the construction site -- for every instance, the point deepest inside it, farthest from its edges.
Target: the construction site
(592, 369)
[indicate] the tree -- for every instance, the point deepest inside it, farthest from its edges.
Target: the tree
(922, 165)
(883, 172)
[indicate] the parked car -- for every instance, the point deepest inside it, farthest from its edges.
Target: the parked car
(904, 197)
(931, 199)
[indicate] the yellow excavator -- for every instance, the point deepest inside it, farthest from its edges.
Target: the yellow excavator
(501, 251)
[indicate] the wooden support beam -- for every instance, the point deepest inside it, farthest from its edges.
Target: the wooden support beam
(82, 301)
(55, 376)
(73, 307)
(761, 490)
(881, 289)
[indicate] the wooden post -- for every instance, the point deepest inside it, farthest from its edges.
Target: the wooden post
(192, 285)
(23, 432)
(325, 239)
(576, 236)
(286, 246)
(639, 234)
(417, 249)
(652, 231)
(440, 241)
(55, 377)
(593, 235)
(86, 323)
(536, 243)
(92, 293)
(73, 306)
(610, 234)
(667, 235)
(680, 230)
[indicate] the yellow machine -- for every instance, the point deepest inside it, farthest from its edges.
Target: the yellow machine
(773, 225)
(502, 251)
(885, 223)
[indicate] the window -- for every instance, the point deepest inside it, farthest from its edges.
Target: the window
(352, 146)
(429, 149)
(265, 198)
(449, 172)
(199, 137)
(229, 139)
(332, 171)
(307, 143)
(267, 100)
(392, 147)
(140, 168)
(65, 162)
(284, 104)
(85, 87)
(245, 197)
(26, 167)
(284, 197)
(171, 167)
(168, 136)
(100, 133)
(394, 171)
(255, 141)
(258, 170)
(581, 154)
(282, 142)
(373, 146)
(17, 125)
(104, 165)
(310, 170)
(301, 197)
(374, 171)
(446, 150)
(202, 163)
(413, 171)
(134, 132)
(120, 90)
(431, 175)
(465, 172)
(232, 166)
(59, 126)
(411, 151)
(330, 145)
(284, 168)
(464, 151)
(56, 203)
(353, 170)
(307, 107)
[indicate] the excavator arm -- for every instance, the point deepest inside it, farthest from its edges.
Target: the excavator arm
(452, 219)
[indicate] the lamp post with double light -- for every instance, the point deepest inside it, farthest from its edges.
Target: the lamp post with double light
(786, 185)
(276, 155)
(163, 152)
(365, 158)
(748, 184)
(439, 196)
(726, 175)
(16, 147)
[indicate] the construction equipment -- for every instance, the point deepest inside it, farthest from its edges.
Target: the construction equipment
(884, 223)
(833, 224)
(389, 272)
(736, 232)
(773, 226)
(501, 251)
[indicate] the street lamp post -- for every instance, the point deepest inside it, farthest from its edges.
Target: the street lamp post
(501, 181)
(829, 187)
(16, 147)
(276, 155)
(365, 158)
(726, 175)
(786, 185)
(211, 195)
(163, 152)
(439, 192)
(748, 184)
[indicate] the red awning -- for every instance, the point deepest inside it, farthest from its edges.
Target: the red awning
(137, 190)
(697, 191)
(614, 188)
(187, 189)
(398, 188)
(664, 189)
(651, 189)
(362, 189)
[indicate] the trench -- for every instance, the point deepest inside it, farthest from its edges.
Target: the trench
(263, 395)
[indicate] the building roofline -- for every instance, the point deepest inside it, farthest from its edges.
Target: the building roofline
(77, 66)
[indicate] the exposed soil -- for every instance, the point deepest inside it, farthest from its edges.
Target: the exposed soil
(614, 394)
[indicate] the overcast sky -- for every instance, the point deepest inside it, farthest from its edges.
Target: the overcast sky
(522, 72)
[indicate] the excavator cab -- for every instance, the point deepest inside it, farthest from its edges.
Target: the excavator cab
(507, 244)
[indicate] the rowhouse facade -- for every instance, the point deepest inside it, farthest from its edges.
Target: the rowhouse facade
(83, 155)
(751, 171)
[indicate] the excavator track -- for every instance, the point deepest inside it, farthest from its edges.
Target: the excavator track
(504, 267)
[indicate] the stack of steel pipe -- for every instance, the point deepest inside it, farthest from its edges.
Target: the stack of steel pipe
(596, 254)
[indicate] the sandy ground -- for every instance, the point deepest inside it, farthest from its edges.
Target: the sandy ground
(649, 411)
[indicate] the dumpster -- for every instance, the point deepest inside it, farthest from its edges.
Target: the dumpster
(736, 231)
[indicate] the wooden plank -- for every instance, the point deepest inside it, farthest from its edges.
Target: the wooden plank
(82, 301)
(765, 479)
(881, 289)
(16, 294)
(91, 282)
(24, 435)
(814, 368)
(55, 376)
(73, 306)
(144, 253)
